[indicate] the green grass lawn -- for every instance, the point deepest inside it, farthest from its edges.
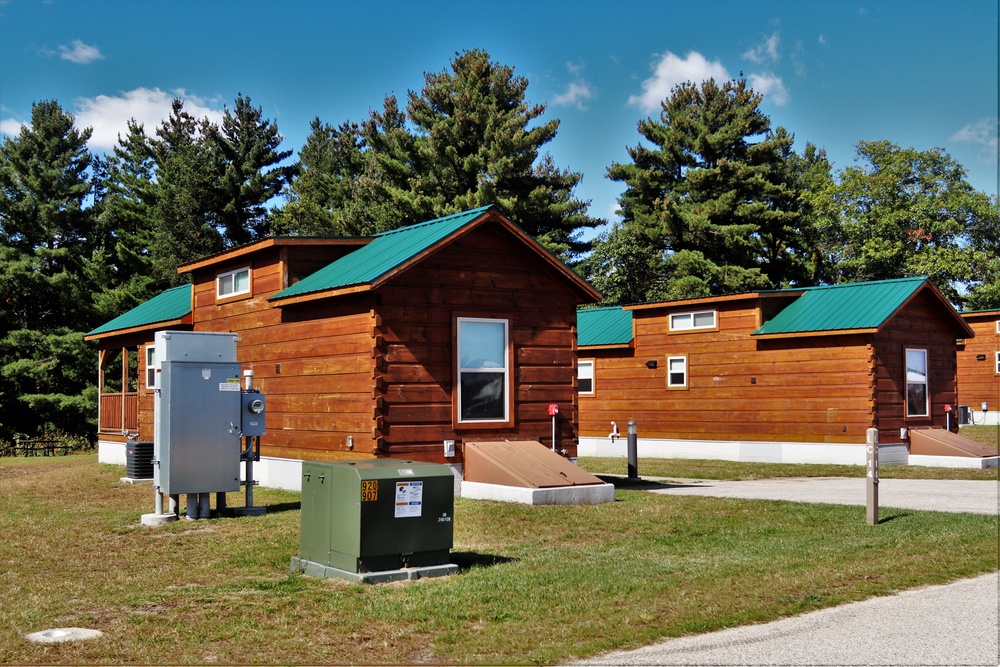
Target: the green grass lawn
(537, 584)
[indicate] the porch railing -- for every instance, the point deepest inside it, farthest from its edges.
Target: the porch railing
(119, 412)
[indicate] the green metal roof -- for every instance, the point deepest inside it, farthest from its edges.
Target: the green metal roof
(842, 307)
(604, 326)
(384, 253)
(171, 304)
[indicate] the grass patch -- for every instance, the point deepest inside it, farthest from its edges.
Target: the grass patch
(738, 470)
(988, 436)
(538, 585)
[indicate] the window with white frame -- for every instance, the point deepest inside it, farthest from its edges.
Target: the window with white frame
(700, 319)
(232, 283)
(677, 372)
(150, 367)
(585, 376)
(998, 363)
(998, 326)
(483, 370)
(917, 394)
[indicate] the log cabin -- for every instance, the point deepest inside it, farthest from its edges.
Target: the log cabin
(979, 369)
(794, 375)
(397, 345)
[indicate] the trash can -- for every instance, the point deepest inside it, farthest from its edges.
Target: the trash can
(139, 460)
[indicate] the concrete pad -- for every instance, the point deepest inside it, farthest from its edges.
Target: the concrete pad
(59, 635)
(591, 494)
(318, 570)
(157, 519)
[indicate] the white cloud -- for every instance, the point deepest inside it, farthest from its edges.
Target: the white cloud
(770, 86)
(765, 51)
(982, 134)
(10, 127)
(671, 71)
(576, 94)
(109, 116)
(80, 53)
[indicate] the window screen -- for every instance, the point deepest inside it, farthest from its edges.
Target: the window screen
(917, 404)
(482, 372)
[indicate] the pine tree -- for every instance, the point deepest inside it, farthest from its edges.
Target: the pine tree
(716, 193)
(467, 139)
(251, 175)
(187, 202)
(46, 369)
(126, 225)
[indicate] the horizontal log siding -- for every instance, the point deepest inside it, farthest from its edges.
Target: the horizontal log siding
(978, 380)
(739, 387)
(313, 361)
(481, 274)
(919, 326)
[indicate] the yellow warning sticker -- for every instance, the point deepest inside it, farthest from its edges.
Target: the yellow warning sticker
(369, 490)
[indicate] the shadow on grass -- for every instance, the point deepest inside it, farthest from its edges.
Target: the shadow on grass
(893, 517)
(467, 560)
(640, 484)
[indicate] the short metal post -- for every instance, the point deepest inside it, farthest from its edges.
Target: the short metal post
(553, 433)
(872, 476)
(633, 449)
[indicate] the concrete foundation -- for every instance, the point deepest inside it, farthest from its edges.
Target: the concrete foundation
(565, 495)
(313, 569)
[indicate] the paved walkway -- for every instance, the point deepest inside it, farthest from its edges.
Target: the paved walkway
(977, 497)
(953, 624)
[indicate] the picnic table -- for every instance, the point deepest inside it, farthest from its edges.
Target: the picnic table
(39, 447)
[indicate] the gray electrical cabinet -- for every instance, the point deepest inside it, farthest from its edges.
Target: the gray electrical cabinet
(197, 413)
(375, 516)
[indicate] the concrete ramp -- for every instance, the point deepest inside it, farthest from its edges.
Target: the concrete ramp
(526, 471)
(939, 442)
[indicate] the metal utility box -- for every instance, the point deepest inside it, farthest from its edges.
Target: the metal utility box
(197, 411)
(378, 515)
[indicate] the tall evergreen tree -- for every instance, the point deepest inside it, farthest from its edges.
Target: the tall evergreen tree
(187, 203)
(337, 191)
(467, 139)
(474, 143)
(251, 174)
(126, 225)
(46, 369)
(716, 193)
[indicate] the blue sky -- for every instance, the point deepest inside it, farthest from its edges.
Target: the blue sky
(922, 74)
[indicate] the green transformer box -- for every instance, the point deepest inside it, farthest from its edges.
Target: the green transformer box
(376, 520)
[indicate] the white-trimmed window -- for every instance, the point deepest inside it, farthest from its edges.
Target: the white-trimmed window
(151, 367)
(917, 394)
(677, 372)
(998, 326)
(585, 376)
(998, 363)
(698, 319)
(232, 283)
(483, 370)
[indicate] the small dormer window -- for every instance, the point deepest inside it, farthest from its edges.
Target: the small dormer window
(232, 283)
(700, 319)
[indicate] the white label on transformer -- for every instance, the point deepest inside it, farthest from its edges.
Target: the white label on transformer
(409, 499)
(229, 386)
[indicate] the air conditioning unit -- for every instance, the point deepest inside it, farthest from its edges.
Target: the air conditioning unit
(964, 415)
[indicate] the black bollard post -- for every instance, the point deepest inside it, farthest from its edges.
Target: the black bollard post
(633, 457)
